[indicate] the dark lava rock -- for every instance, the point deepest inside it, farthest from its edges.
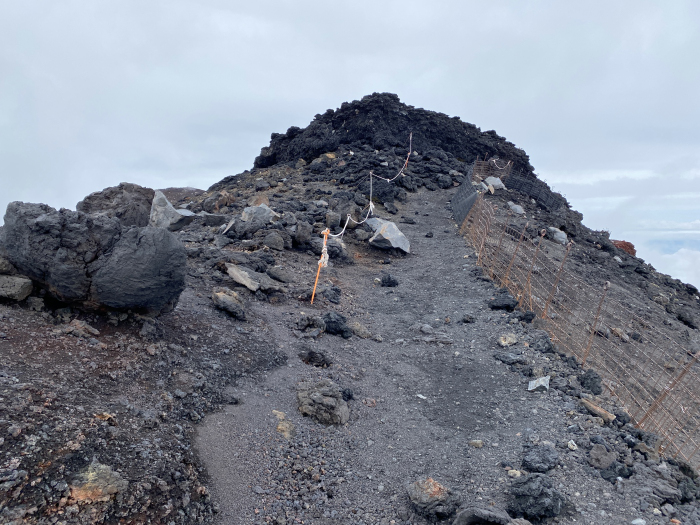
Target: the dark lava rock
(540, 459)
(145, 270)
(432, 500)
(382, 121)
(510, 359)
(389, 281)
(590, 380)
(318, 359)
(503, 301)
(685, 317)
(468, 318)
(337, 324)
(526, 317)
(480, 516)
(535, 498)
(616, 470)
(91, 259)
(332, 293)
(541, 342)
(129, 203)
(429, 235)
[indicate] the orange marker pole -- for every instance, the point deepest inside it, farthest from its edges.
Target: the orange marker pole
(321, 262)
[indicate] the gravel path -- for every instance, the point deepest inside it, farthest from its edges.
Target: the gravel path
(421, 395)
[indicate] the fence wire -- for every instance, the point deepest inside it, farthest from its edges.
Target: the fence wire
(648, 371)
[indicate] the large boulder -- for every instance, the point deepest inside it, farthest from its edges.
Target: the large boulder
(57, 248)
(145, 270)
(92, 259)
(387, 235)
(129, 203)
(164, 215)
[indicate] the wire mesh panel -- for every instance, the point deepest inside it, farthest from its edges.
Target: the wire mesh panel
(645, 368)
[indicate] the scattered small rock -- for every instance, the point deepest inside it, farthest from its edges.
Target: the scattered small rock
(432, 500)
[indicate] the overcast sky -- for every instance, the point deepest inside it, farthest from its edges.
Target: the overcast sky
(603, 96)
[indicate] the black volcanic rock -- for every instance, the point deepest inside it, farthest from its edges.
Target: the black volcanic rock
(92, 260)
(130, 203)
(383, 122)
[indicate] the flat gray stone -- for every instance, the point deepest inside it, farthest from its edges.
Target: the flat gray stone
(539, 385)
(164, 214)
(387, 235)
(14, 287)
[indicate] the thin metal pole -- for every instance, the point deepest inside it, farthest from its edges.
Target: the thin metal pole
(556, 281)
(606, 287)
(532, 266)
(515, 253)
(667, 390)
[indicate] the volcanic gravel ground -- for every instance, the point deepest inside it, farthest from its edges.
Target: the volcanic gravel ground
(421, 395)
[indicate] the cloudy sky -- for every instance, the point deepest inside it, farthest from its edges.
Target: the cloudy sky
(602, 95)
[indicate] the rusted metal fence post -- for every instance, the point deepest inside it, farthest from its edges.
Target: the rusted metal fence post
(528, 285)
(515, 253)
(498, 249)
(667, 390)
(606, 287)
(556, 281)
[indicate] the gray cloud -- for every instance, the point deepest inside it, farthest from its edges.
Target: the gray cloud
(185, 93)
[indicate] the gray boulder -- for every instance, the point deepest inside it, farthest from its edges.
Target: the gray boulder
(323, 401)
(92, 259)
(262, 213)
(387, 235)
(516, 208)
(129, 203)
(274, 240)
(495, 183)
(15, 287)
(557, 235)
(164, 215)
(144, 270)
(302, 232)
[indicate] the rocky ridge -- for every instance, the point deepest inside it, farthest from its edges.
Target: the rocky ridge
(101, 408)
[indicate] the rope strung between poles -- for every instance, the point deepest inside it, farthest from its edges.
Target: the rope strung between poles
(370, 208)
(323, 262)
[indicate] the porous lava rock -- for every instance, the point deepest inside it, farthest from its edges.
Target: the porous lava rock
(323, 401)
(93, 260)
(535, 498)
(382, 121)
(432, 499)
(129, 203)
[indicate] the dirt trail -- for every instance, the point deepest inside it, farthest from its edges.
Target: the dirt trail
(420, 398)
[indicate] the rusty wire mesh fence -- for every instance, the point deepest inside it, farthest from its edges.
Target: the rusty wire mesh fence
(646, 368)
